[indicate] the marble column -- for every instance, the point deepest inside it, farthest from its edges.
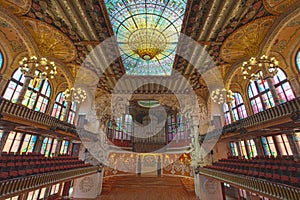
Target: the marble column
(24, 89)
(295, 85)
(39, 144)
(259, 147)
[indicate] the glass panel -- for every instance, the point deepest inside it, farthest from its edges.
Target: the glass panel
(9, 141)
(17, 141)
(266, 146)
(287, 145)
(272, 147)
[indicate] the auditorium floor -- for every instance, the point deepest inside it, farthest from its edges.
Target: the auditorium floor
(147, 188)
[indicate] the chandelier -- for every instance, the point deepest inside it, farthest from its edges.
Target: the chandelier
(77, 95)
(268, 67)
(28, 66)
(147, 43)
(222, 96)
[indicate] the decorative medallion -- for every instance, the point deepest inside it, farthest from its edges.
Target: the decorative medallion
(246, 40)
(17, 7)
(86, 184)
(210, 186)
(277, 7)
(50, 41)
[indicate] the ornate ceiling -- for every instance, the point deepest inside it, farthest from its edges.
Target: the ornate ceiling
(228, 30)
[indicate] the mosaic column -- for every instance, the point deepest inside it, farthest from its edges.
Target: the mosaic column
(292, 138)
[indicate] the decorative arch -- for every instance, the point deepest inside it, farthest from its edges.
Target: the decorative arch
(14, 21)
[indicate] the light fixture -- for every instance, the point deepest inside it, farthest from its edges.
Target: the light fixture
(28, 66)
(147, 43)
(268, 67)
(77, 95)
(221, 96)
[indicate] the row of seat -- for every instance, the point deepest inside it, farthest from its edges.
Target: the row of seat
(23, 167)
(273, 170)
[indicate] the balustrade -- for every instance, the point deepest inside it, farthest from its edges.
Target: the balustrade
(281, 110)
(20, 111)
(16, 186)
(256, 185)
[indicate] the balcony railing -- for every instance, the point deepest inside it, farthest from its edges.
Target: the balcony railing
(290, 108)
(16, 186)
(20, 111)
(256, 185)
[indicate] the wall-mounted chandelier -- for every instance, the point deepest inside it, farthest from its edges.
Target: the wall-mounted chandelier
(28, 66)
(268, 67)
(77, 95)
(221, 96)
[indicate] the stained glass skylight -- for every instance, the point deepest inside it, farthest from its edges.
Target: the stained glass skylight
(147, 33)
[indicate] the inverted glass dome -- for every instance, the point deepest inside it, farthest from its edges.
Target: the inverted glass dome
(147, 33)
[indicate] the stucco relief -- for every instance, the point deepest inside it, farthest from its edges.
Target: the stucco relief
(245, 41)
(50, 41)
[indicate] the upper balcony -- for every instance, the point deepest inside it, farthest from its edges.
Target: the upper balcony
(18, 117)
(285, 115)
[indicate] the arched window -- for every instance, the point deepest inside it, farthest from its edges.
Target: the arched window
(238, 107)
(37, 95)
(298, 60)
(283, 87)
(226, 114)
(127, 131)
(14, 86)
(60, 107)
(1, 60)
(122, 129)
(183, 128)
(72, 113)
(260, 95)
(171, 127)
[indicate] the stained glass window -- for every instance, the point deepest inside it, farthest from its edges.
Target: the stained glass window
(233, 147)
(283, 145)
(46, 146)
(14, 86)
(251, 147)
(260, 94)
(37, 95)
(238, 107)
(122, 128)
(60, 107)
(269, 146)
(72, 113)
(171, 127)
(283, 87)
(28, 143)
(226, 114)
(298, 59)
(147, 33)
(1, 60)
(64, 147)
(13, 142)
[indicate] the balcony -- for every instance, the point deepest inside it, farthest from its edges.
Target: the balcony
(286, 113)
(13, 187)
(259, 186)
(11, 112)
